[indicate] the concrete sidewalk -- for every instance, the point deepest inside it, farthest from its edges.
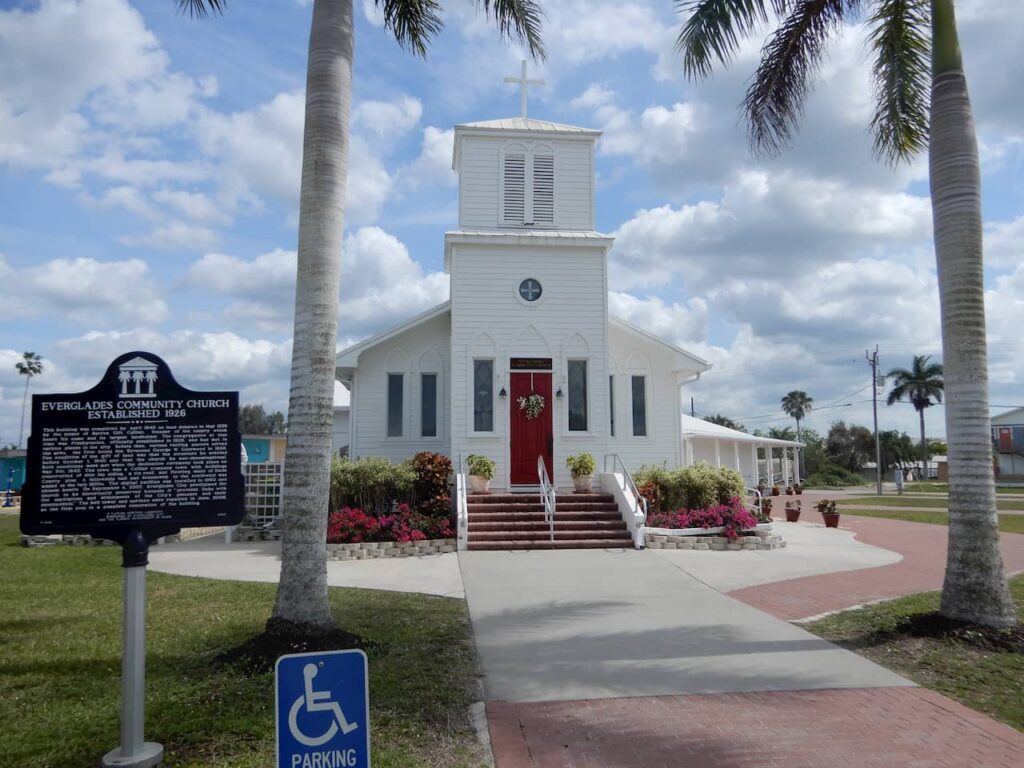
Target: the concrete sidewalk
(211, 558)
(590, 624)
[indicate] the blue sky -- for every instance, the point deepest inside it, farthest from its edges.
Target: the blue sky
(149, 168)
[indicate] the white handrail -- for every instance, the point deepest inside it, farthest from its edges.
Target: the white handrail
(759, 495)
(461, 506)
(640, 503)
(547, 495)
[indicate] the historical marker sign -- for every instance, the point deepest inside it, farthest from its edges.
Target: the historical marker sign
(138, 450)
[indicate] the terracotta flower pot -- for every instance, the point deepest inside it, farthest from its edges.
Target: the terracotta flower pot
(831, 519)
(792, 515)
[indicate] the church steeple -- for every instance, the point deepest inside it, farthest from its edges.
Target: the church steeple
(520, 172)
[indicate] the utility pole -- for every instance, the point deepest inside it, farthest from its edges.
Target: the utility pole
(872, 359)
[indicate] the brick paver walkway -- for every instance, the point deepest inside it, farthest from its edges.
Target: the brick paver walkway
(922, 568)
(865, 728)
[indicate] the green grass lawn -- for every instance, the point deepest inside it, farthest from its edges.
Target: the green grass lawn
(958, 665)
(1007, 523)
(944, 488)
(919, 501)
(61, 648)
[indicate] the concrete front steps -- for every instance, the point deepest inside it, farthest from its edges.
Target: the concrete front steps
(516, 521)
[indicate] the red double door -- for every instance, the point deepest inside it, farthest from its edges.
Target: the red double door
(530, 438)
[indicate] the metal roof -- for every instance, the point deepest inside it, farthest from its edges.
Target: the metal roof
(526, 124)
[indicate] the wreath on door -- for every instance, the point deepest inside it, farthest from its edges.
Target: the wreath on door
(531, 405)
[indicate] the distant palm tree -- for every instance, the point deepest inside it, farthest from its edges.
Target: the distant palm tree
(31, 365)
(922, 387)
(915, 44)
(781, 433)
(301, 603)
(796, 405)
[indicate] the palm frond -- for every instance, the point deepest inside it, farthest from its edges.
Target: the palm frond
(519, 20)
(198, 9)
(412, 22)
(775, 100)
(713, 30)
(901, 73)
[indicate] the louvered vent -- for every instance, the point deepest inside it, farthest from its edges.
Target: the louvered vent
(543, 189)
(515, 188)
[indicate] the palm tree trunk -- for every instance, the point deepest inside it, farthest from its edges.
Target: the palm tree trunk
(24, 402)
(975, 587)
(924, 449)
(302, 592)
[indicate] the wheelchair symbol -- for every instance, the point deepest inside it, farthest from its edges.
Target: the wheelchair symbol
(317, 701)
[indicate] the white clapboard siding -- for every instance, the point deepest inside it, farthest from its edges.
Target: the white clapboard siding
(421, 349)
(503, 181)
(635, 356)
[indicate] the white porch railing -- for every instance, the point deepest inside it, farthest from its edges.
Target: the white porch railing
(547, 495)
(461, 506)
(628, 494)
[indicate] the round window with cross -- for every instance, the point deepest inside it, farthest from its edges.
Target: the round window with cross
(530, 289)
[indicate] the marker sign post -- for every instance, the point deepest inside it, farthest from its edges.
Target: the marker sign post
(322, 710)
(135, 458)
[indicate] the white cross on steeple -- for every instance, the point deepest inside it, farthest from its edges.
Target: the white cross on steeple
(523, 84)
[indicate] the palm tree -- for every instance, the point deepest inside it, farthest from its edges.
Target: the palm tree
(796, 405)
(30, 365)
(909, 39)
(919, 386)
(301, 604)
(725, 421)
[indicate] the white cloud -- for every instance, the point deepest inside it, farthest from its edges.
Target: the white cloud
(86, 291)
(1004, 243)
(387, 120)
(54, 106)
(682, 324)
(381, 285)
(199, 360)
(765, 226)
(434, 163)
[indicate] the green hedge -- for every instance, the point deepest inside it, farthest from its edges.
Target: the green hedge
(372, 484)
(834, 476)
(696, 487)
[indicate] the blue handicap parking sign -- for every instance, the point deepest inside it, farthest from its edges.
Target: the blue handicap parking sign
(322, 710)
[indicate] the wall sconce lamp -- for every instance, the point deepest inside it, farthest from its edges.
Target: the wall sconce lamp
(558, 393)
(502, 392)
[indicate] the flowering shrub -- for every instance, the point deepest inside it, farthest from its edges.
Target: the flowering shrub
(649, 491)
(731, 518)
(353, 525)
(433, 476)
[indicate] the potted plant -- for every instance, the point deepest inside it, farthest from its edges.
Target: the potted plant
(789, 490)
(827, 507)
(481, 470)
(793, 510)
(766, 508)
(581, 467)
(775, 490)
(798, 489)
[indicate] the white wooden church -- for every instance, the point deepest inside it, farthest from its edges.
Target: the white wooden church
(528, 316)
